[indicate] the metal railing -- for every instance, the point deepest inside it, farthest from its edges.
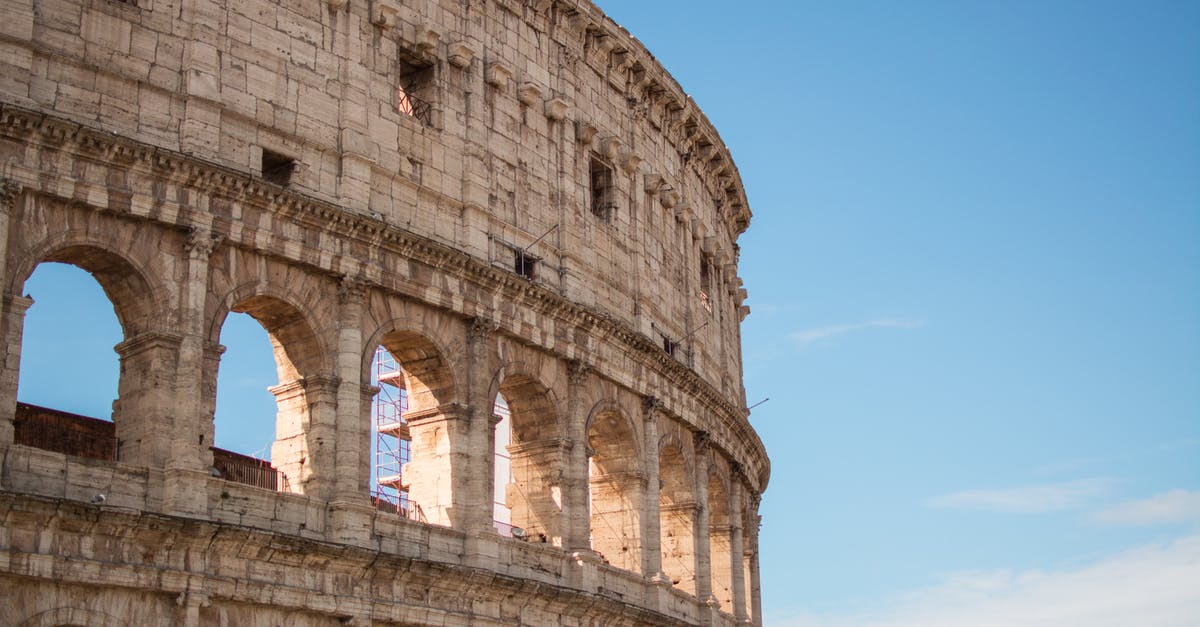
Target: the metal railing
(411, 105)
(243, 469)
(406, 508)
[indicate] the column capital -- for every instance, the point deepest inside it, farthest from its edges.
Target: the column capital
(650, 405)
(577, 372)
(351, 290)
(16, 303)
(201, 242)
(480, 328)
(147, 340)
(701, 442)
(9, 191)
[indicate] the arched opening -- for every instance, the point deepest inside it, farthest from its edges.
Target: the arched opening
(720, 553)
(146, 373)
(301, 398)
(677, 515)
(68, 378)
(533, 454)
(412, 471)
(614, 490)
(243, 421)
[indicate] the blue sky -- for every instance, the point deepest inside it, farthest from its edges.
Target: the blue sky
(974, 270)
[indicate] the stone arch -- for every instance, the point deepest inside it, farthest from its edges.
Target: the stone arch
(616, 485)
(434, 418)
(136, 298)
(677, 512)
(299, 350)
(537, 451)
(147, 357)
(305, 394)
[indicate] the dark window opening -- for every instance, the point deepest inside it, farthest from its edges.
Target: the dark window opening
(524, 264)
(669, 346)
(277, 168)
(414, 91)
(705, 284)
(602, 189)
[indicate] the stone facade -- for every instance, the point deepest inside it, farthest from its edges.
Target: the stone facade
(511, 196)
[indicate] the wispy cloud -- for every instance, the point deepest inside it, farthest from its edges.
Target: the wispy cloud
(1034, 499)
(1176, 506)
(1149, 586)
(819, 334)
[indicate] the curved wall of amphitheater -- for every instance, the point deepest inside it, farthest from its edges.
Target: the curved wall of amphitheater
(512, 197)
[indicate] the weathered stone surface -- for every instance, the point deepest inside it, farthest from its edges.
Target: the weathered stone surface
(360, 175)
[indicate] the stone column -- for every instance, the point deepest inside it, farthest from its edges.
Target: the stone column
(352, 462)
(10, 192)
(474, 485)
(651, 516)
(12, 318)
(755, 584)
(575, 474)
(700, 446)
(189, 440)
(736, 550)
(12, 324)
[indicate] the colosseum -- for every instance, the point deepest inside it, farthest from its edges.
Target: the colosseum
(509, 200)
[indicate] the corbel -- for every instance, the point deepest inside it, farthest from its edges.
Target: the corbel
(498, 74)
(585, 131)
(426, 37)
(460, 54)
(653, 182)
(556, 108)
(669, 197)
(630, 161)
(529, 93)
(385, 15)
(609, 146)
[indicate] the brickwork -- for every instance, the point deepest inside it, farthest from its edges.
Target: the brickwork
(512, 198)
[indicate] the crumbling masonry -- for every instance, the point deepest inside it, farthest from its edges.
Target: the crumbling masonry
(512, 197)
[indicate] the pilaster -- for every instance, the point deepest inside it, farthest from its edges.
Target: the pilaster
(12, 324)
(351, 477)
(575, 479)
(651, 516)
(700, 447)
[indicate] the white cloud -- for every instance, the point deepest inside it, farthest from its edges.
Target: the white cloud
(1027, 499)
(1149, 586)
(1176, 506)
(810, 336)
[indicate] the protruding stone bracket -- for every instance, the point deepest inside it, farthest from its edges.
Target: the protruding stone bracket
(556, 109)
(654, 182)
(498, 75)
(460, 54)
(426, 37)
(585, 131)
(385, 16)
(529, 93)
(630, 161)
(609, 146)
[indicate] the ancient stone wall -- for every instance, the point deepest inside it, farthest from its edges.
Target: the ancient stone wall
(511, 197)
